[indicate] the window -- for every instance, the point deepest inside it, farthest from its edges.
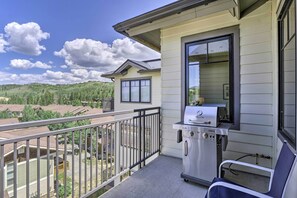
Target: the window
(10, 174)
(136, 90)
(212, 72)
(287, 73)
(208, 68)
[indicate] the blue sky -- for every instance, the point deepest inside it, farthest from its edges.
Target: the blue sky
(59, 41)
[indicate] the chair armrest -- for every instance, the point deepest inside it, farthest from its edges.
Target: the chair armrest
(237, 188)
(271, 171)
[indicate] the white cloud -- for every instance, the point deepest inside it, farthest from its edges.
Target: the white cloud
(3, 43)
(64, 66)
(26, 64)
(25, 38)
(53, 77)
(88, 53)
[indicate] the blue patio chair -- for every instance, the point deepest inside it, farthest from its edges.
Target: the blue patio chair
(222, 188)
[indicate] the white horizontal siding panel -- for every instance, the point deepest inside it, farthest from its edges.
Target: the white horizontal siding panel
(256, 68)
(172, 76)
(255, 38)
(256, 129)
(171, 61)
(170, 84)
(256, 25)
(171, 143)
(256, 99)
(170, 68)
(173, 91)
(235, 155)
(256, 109)
(170, 121)
(249, 148)
(171, 151)
(266, 120)
(171, 113)
(256, 78)
(169, 136)
(256, 58)
(256, 48)
(171, 106)
(250, 139)
(171, 98)
(256, 88)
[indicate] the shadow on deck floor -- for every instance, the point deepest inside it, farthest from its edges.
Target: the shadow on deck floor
(161, 178)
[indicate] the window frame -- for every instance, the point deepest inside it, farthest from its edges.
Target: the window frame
(282, 134)
(139, 82)
(234, 69)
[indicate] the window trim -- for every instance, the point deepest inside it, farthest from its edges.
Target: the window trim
(235, 73)
(139, 80)
(285, 8)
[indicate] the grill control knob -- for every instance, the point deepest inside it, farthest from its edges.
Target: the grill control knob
(192, 133)
(205, 135)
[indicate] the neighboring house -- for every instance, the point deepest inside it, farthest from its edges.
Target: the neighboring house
(240, 53)
(137, 84)
(21, 156)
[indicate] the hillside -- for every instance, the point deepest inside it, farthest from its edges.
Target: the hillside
(44, 94)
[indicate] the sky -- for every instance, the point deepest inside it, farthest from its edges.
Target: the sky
(64, 41)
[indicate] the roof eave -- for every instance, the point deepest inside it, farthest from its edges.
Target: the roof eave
(167, 10)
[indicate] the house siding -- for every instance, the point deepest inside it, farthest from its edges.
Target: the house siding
(257, 95)
(133, 74)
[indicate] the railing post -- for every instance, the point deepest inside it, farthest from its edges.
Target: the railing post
(159, 129)
(144, 138)
(117, 153)
(140, 145)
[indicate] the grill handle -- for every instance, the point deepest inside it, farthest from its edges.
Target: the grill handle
(195, 122)
(186, 148)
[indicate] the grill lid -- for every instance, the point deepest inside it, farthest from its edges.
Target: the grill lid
(201, 115)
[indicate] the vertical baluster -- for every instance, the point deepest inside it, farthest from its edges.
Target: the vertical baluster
(91, 158)
(126, 131)
(57, 166)
(115, 148)
(111, 150)
(130, 143)
(15, 170)
(72, 171)
(154, 139)
(79, 163)
(48, 166)
(65, 164)
(106, 162)
(102, 141)
(38, 167)
(159, 129)
(2, 171)
(133, 142)
(151, 131)
(86, 151)
(96, 156)
(27, 169)
(123, 145)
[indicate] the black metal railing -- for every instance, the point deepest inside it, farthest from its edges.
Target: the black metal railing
(78, 161)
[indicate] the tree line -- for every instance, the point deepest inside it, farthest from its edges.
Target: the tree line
(90, 93)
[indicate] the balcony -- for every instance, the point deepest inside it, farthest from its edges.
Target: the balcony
(87, 161)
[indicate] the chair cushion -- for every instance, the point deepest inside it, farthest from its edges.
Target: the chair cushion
(222, 192)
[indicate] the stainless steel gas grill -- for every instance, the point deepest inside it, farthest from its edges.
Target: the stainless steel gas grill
(204, 140)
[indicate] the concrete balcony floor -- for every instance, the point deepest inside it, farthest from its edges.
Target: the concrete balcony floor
(161, 178)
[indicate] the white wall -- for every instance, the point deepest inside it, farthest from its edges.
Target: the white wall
(257, 118)
(21, 178)
(133, 74)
